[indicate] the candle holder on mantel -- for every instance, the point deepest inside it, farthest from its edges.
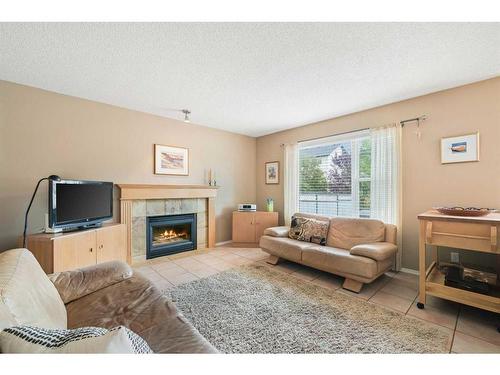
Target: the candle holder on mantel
(211, 182)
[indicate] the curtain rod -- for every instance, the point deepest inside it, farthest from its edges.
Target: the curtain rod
(418, 119)
(402, 123)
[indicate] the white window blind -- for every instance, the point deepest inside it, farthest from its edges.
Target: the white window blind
(335, 175)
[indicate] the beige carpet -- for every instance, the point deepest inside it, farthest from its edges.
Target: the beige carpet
(254, 309)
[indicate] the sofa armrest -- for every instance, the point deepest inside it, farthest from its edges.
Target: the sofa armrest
(78, 283)
(277, 231)
(375, 251)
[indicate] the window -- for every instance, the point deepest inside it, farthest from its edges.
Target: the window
(351, 175)
(335, 175)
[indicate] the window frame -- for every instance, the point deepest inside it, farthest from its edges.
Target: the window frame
(356, 139)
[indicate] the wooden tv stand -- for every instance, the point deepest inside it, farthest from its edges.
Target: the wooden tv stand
(58, 252)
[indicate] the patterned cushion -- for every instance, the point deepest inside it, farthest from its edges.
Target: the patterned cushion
(309, 230)
(29, 339)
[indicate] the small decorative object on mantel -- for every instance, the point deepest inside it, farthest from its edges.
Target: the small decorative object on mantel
(171, 160)
(460, 149)
(270, 204)
(211, 178)
(272, 172)
(467, 211)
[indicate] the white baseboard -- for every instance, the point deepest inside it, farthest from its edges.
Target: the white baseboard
(222, 243)
(409, 270)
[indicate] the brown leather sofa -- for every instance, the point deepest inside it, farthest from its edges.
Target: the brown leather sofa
(105, 295)
(358, 249)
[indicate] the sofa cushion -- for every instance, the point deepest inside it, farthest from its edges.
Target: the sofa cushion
(277, 231)
(284, 247)
(312, 216)
(138, 305)
(78, 283)
(28, 340)
(376, 250)
(308, 230)
(26, 294)
(344, 233)
(331, 259)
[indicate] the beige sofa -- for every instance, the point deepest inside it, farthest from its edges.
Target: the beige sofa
(358, 249)
(105, 295)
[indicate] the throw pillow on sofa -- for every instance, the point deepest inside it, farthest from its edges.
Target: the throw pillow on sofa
(308, 230)
(29, 339)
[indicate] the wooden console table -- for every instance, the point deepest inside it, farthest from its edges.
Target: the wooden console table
(469, 233)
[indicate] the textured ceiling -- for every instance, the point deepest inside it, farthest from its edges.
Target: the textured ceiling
(249, 78)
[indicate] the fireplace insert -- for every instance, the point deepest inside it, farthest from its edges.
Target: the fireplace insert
(170, 234)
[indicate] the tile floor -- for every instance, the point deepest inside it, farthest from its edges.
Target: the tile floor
(471, 330)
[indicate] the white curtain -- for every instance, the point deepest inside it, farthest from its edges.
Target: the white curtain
(291, 169)
(385, 192)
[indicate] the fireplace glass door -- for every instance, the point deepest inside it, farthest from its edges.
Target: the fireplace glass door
(170, 234)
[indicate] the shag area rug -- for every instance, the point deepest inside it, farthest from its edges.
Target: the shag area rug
(253, 309)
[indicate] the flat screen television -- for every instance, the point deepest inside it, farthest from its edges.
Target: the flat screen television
(77, 204)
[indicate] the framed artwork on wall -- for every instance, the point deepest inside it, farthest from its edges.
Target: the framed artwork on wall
(272, 172)
(460, 149)
(171, 160)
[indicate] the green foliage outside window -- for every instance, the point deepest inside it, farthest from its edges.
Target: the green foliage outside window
(312, 178)
(365, 165)
(365, 158)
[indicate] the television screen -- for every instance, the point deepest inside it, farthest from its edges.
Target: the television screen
(79, 203)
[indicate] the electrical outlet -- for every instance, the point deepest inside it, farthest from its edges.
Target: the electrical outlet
(454, 258)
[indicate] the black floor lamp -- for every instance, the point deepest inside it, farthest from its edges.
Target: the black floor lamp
(50, 178)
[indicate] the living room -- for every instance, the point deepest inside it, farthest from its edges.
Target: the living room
(250, 188)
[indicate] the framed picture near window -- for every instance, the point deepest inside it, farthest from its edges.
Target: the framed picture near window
(272, 172)
(460, 149)
(171, 160)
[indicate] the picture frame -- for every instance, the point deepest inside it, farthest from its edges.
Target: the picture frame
(460, 148)
(272, 172)
(171, 160)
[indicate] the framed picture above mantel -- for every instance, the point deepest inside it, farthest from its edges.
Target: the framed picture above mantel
(460, 149)
(171, 160)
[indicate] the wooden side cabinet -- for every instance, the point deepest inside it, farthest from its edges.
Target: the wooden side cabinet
(65, 251)
(248, 227)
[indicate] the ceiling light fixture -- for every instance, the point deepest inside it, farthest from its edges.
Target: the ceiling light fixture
(186, 112)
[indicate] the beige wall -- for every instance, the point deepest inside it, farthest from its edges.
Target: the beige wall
(426, 182)
(43, 133)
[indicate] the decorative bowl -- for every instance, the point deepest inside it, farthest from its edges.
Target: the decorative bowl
(467, 211)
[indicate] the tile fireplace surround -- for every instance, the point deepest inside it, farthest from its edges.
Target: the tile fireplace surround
(137, 202)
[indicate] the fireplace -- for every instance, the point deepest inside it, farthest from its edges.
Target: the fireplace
(170, 234)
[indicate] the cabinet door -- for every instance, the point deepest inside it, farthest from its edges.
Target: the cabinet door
(243, 227)
(75, 251)
(111, 243)
(264, 220)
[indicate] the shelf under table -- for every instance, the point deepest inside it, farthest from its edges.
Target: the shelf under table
(434, 286)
